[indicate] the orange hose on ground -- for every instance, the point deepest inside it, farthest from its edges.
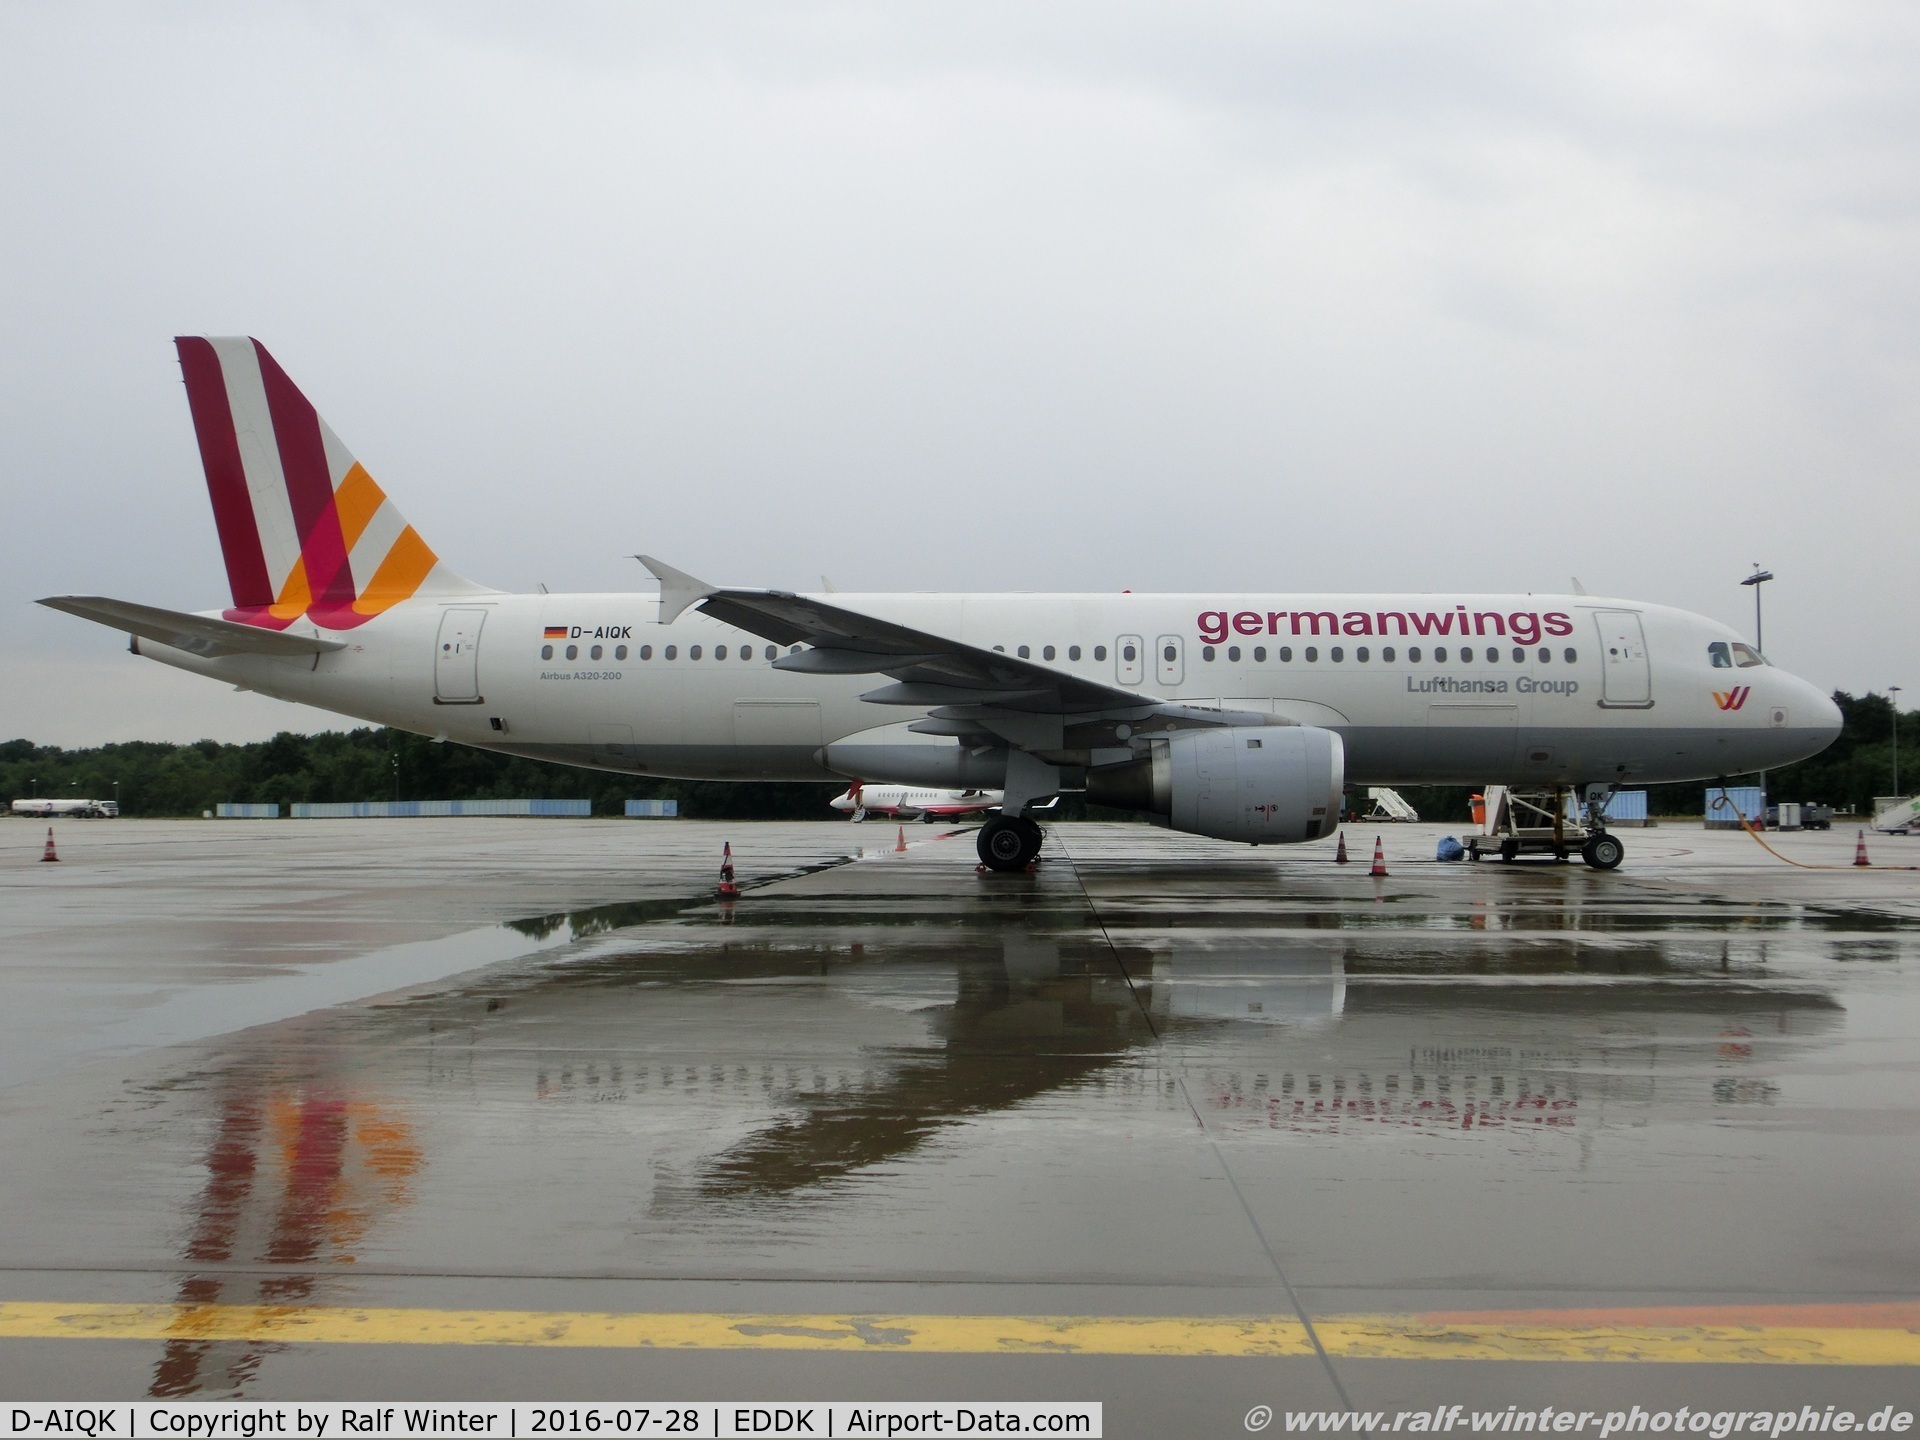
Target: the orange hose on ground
(1722, 803)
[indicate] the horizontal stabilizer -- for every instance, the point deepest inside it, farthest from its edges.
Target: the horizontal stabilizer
(196, 634)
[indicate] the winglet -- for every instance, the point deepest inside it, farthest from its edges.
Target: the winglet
(678, 589)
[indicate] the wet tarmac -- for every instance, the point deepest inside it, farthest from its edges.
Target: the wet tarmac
(504, 1109)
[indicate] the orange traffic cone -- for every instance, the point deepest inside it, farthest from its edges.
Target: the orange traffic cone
(1379, 859)
(728, 889)
(1859, 849)
(900, 847)
(51, 854)
(1340, 850)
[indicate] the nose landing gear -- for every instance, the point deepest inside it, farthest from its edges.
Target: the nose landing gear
(1008, 843)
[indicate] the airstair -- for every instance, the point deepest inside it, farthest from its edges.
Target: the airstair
(1389, 805)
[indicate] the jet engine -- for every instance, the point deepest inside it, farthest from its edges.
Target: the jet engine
(1265, 784)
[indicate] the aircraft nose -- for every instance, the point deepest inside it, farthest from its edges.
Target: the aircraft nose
(1825, 715)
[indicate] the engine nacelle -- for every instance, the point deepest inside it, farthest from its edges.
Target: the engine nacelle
(1264, 784)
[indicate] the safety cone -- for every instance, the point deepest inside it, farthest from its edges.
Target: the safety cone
(1859, 849)
(1379, 859)
(1340, 850)
(51, 854)
(728, 889)
(900, 846)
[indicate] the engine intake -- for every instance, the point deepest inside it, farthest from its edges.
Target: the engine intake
(1266, 785)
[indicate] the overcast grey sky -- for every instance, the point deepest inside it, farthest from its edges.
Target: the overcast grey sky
(1251, 297)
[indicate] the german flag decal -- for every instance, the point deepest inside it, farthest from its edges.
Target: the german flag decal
(556, 632)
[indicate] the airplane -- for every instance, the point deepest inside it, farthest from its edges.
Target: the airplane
(861, 800)
(1222, 713)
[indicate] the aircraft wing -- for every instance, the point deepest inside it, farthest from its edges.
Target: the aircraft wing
(928, 670)
(196, 634)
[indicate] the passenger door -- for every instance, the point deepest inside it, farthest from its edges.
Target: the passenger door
(1128, 667)
(456, 657)
(1626, 674)
(1169, 659)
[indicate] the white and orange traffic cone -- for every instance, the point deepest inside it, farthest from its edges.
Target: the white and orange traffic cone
(1379, 869)
(729, 890)
(1340, 850)
(49, 853)
(1859, 848)
(900, 846)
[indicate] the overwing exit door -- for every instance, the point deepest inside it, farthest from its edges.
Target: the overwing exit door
(1128, 666)
(1626, 675)
(1169, 659)
(456, 657)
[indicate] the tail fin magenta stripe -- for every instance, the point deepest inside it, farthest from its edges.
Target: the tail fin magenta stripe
(226, 475)
(303, 460)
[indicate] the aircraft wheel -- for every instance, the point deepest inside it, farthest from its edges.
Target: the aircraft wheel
(1004, 845)
(928, 819)
(1603, 852)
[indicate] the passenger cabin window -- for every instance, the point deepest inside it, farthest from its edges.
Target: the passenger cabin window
(1099, 652)
(1024, 652)
(1570, 655)
(1127, 652)
(719, 652)
(646, 652)
(573, 652)
(1286, 654)
(1745, 656)
(1546, 656)
(1233, 654)
(1386, 653)
(1259, 654)
(1493, 655)
(1047, 652)
(693, 652)
(595, 653)
(546, 652)
(1439, 655)
(1336, 653)
(1206, 652)
(746, 652)
(1312, 653)
(619, 652)
(1073, 652)
(1362, 654)
(1519, 656)
(672, 652)
(1413, 654)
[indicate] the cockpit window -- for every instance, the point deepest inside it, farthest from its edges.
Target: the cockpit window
(1746, 657)
(1718, 653)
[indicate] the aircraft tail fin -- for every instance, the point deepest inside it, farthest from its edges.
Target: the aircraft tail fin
(303, 527)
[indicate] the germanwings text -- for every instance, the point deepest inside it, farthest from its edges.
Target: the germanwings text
(1525, 626)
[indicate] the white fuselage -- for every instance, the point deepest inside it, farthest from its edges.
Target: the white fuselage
(1522, 689)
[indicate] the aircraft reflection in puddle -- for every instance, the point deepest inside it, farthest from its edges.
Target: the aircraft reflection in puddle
(789, 1062)
(297, 1173)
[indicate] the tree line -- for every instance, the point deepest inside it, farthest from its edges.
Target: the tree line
(158, 779)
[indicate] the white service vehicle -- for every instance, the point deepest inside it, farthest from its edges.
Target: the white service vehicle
(1233, 715)
(67, 809)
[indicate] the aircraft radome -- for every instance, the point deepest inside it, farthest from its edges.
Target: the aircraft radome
(1234, 715)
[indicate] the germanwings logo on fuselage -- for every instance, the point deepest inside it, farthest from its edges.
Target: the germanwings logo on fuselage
(1525, 626)
(1732, 699)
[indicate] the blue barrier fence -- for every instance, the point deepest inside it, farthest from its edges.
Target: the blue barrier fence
(441, 809)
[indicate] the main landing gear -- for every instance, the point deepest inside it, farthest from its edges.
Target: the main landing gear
(1009, 843)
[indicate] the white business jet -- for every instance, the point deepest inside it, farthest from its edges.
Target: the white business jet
(1231, 715)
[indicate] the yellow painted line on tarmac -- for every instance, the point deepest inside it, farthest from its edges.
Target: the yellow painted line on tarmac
(1825, 1335)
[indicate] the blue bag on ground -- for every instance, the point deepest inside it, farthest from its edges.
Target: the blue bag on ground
(1449, 849)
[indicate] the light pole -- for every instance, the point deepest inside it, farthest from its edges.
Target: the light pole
(1758, 578)
(1893, 694)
